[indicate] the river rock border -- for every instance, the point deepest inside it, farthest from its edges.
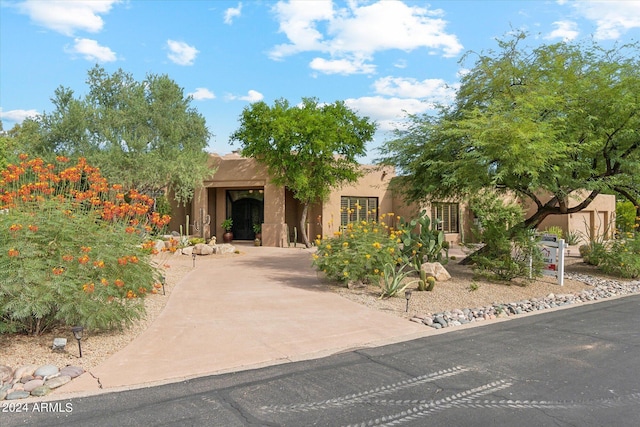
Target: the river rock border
(33, 380)
(602, 289)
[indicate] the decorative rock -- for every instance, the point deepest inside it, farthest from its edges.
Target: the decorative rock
(46, 370)
(20, 394)
(57, 381)
(3, 394)
(187, 251)
(202, 249)
(25, 370)
(435, 269)
(72, 371)
(224, 248)
(29, 386)
(43, 390)
(26, 378)
(59, 343)
(159, 245)
(6, 374)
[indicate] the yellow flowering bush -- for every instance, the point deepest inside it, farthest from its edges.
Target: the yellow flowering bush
(358, 252)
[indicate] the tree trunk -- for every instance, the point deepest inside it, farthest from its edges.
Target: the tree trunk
(303, 225)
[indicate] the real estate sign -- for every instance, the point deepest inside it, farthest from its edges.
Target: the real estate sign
(552, 250)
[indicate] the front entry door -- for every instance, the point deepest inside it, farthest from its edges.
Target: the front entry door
(245, 213)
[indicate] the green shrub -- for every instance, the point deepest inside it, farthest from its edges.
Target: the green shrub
(625, 216)
(507, 254)
(195, 240)
(73, 249)
(623, 257)
(555, 231)
(358, 252)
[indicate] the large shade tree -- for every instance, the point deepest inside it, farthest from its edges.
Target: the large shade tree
(559, 119)
(143, 134)
(309, 148)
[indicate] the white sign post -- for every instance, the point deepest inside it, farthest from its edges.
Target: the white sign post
(552, 250)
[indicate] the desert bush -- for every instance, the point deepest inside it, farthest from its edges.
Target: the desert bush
(555, 231)
(623, 257)
(625, 216)
(359, 251)
(507, 253)
(73, 248)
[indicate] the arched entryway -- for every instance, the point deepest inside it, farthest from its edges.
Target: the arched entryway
(247, 210)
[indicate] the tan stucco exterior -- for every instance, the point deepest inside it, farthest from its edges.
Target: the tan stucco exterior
(240, 188)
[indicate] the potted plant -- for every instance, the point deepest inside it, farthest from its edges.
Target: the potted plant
(226, 225)
(257, 229)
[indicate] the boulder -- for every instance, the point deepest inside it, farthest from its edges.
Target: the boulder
(72, 371)
(436, 270)
(224, 248)
(46, 371)
(20, 394)
(187, 251)
(57, 381)
(23, 370)
(202, 249)
(31, 385)
(6, 374)
(43, 390)
(159, 245)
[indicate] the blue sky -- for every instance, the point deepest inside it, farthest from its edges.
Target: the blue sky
(383, 58)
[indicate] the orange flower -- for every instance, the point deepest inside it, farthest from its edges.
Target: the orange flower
(88, 287)
(58, 271)
(130, 230)
(104, 281)
(33, 228)
(133, 259)
(130, 294)
(67, 257)
(157, 285)
(98, 264)
(23, 157)
(13, 253)
(122, 261)
(85, 249)
(15, 227)
(83, 259)
(119, 283)
(62, 159)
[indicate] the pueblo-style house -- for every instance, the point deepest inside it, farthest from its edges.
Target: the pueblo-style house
(240, 189)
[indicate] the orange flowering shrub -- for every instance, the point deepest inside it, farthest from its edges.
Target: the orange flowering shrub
(64, 229)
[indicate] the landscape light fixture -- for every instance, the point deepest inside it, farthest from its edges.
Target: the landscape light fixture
(193, 256)
(77, 333)
(163, 281)
(407, 296)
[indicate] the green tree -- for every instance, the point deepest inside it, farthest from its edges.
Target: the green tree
(142, 134)
(309, 148)
(557, 119)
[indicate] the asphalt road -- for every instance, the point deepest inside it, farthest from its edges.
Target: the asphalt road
(573, 367)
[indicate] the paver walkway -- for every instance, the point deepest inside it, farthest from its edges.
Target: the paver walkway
(263, 307)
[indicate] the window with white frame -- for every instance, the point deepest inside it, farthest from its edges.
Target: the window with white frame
(356, 209)
(446, 216)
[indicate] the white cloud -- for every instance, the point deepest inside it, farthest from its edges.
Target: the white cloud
(68, 16)
(341, 66)
(251, 96)
(202, 93)
(355, 33)
(181, 53)
(231, 13)
(92, 51)
(387, 112)
(17, 116)
(565, 30)
(431, 90)
(612, 18)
